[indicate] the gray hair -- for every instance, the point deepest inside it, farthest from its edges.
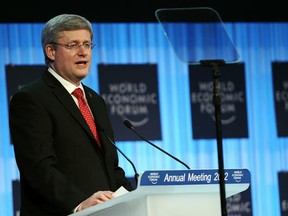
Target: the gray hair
(51, 31)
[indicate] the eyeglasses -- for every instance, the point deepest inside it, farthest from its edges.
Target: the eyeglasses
(76, 46)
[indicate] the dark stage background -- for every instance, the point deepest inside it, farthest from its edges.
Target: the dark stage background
(140, 11)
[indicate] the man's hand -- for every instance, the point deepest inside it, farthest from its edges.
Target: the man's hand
(96, 198)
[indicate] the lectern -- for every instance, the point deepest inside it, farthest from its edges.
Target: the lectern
(174, 192)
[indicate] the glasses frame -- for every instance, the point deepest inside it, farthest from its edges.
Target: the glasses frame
(75, 46)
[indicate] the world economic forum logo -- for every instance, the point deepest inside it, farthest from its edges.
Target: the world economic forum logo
(237, 175)
(153, 177)
(131, 101)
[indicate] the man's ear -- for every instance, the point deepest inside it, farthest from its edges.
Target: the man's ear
(50, 51)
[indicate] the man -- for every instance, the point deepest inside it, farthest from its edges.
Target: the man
(63, 168)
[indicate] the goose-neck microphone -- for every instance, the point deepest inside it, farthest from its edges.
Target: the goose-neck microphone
(129, 125)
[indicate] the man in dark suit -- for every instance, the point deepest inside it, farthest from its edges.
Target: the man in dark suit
(63, 169)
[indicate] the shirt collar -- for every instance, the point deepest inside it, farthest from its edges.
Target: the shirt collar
(70, 87)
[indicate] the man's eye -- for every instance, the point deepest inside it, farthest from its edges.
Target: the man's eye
(72, 46)
(87, 45)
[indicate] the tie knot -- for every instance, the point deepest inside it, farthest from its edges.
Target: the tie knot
(78, 93)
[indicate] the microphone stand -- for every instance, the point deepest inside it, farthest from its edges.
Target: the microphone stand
(217, 104)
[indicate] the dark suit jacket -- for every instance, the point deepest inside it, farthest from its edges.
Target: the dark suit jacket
(58, 158)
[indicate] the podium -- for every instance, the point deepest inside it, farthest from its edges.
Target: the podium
(174, 192)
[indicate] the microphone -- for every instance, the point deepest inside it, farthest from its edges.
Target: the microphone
(136, 176)
(129, 125)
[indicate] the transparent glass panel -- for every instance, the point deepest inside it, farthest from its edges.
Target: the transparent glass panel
(197, 34)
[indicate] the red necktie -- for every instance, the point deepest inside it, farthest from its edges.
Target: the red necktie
(84, 109)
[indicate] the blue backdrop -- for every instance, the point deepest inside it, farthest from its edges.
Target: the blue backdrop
(263, 153)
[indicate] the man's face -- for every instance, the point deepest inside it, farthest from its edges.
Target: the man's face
(72, 64)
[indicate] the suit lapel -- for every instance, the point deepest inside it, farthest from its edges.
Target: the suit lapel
(100, 123)
(66, 99)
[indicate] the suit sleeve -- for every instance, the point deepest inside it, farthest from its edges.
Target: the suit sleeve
(31, 132)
